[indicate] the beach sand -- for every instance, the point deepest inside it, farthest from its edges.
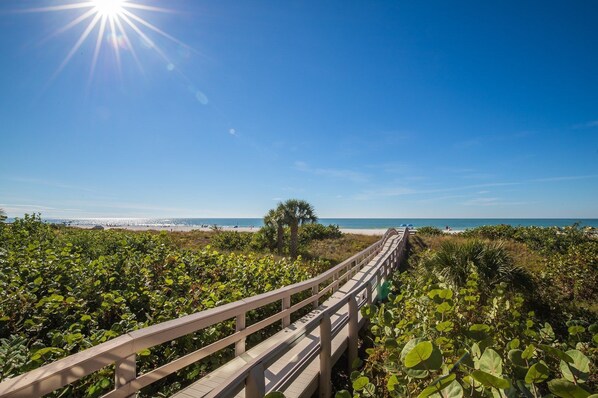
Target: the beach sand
(182, 228)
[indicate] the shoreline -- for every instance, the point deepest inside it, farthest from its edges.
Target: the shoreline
(185, 228)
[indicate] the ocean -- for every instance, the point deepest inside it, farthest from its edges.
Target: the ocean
(348, 223)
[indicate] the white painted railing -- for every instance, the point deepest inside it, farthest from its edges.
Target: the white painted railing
(122, 351)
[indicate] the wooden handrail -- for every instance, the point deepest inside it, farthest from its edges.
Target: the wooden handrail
(122, 350)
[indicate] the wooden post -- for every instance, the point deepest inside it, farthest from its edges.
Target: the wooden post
(240, 325)
(255, 383)
(286, 304)
(125, 371)
(325, 357)
(353, 342)
(314, 291)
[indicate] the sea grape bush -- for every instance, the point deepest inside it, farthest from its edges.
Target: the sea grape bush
(476, 340)
(433, 231)
(65, 290)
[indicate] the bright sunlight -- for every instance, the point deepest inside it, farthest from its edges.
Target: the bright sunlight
(109, 8)
(112, 21)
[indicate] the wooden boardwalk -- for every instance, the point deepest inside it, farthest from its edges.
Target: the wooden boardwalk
(297, 360)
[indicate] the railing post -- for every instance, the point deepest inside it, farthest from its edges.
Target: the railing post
(314, 292)
(125, 371)
(240, 325)
(255, 383)
(352, 344)
(325, 357)
(286, 304)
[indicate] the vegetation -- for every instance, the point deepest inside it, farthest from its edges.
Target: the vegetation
(297, 212)
(429, 231)
(67, 289)
(469, 318)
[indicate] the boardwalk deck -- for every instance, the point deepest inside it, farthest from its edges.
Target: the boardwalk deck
(296, 372)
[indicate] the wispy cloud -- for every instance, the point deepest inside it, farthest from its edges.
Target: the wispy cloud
(48, 183)
(492, 202)
(341, 174)
(565, 178)
(586, 125)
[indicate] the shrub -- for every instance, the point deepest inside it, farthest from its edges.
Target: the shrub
(454, 261)
(231, 240)
(432, 231)
(309, 232)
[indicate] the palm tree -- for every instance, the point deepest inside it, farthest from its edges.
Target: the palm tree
(275, 219)
(297, 212)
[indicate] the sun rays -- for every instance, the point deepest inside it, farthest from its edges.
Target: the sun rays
(109, 23)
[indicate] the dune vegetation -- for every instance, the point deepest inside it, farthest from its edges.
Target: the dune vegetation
(495, 312)
(68, 289)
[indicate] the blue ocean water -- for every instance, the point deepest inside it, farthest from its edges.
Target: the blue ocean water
(349, 223)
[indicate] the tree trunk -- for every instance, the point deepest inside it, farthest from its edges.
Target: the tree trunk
(280, 237)
(294, 238)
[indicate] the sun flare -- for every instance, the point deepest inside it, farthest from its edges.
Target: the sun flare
(116, 22)
(109, 8)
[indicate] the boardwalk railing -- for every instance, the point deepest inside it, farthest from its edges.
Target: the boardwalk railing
(122, 351)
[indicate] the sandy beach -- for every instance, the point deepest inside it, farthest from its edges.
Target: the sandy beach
(183, 228)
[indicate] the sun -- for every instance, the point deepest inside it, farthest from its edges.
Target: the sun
(112, 21)
(109, 8)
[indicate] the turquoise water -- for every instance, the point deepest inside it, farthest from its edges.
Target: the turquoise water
(355, 223)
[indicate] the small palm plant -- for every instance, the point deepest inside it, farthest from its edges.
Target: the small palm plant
(454, 261)
(297, 212)
(275, 219)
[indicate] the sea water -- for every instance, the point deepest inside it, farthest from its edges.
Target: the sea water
(348, 223)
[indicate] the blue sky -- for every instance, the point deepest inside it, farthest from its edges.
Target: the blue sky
(364, 108)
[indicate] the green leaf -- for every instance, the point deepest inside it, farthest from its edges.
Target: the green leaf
(580, 368)
(489, 380)
(491, 362)
(368, 311)
(417, 374)
(514, 344)
(360, 383)
(392, 382)
(444, 307)
(576, 329)
(537, 373)
(369, 390)
(105, 383)
(547, 333)
(555, 352)
(523, 388)
(445, 326)
(390, 343)
(454, 390)
(478, 331)
(409, 346)
(565, 389)
(343, 394)
(528, 353)
(418, 354)
(516, 358)
(437, 385)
